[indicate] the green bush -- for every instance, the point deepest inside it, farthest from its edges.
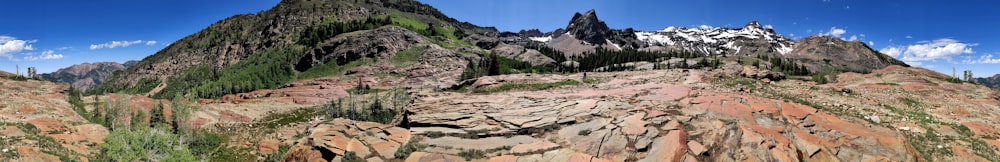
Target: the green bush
(584, 132)
(472, 154)
(143, 144)
(435, 134)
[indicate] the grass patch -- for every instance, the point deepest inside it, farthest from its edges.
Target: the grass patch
(435, 134)
(408, 148)
(407, 57)
(888, 84)
(294, 116)
(528, 87)
(472, 154)
(910, 102)
(584, 132)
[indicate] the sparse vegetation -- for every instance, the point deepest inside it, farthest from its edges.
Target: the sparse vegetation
(434, 134)
(584, 132)
(528, 86)
(350, 156)
(408, 148)
(472, 154)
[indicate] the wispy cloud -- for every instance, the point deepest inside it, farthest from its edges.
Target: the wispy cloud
(10, 46)
(940, 49)
(116, 44)
(64, 48)
(46, 55)
(984, 59)
(835, 32)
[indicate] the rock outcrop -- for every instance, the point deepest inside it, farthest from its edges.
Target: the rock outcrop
(332, 140)
(378, 43)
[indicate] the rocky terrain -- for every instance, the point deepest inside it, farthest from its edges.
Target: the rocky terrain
(295, 84)
(85, 76)
(682, 115)
(39, 124)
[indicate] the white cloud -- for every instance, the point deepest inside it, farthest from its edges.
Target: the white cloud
(853, 38)
(871, 43)
(847, 7)
(46, 55)
(940, 49)
(768, 26)
(64, 48)
(10, 46)
(984, 59)
(115, 44)
(834, 32)
(705, 27)
(909, 37)
(891, 51)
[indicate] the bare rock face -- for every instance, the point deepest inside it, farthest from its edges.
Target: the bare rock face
(520, 53)
(437, 67)
(378, 43)
(754, 73)
(333, 139)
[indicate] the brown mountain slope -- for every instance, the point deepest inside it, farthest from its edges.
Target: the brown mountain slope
(825, 51)
(84, 76)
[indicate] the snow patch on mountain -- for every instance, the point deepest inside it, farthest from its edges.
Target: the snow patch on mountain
(716, 40)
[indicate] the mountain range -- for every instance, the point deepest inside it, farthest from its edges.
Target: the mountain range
(395, 80)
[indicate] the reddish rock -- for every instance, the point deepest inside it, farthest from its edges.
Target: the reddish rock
(696, 148)
(26, 153)
(386, 149)
(980, 129)
(504, 158)
(267, 146)
(398, 134)
(229, 115)
(634, 125)
(796, 111)
(672, 125)
(668, 148)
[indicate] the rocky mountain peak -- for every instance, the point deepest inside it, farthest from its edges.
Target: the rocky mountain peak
(753, 24)
(588, 27)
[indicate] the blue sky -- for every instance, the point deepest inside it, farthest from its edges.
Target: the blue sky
(937, 35)
(51, 34)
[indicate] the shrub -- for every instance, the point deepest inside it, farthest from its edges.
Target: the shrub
(435, 134)
(143, 144)
(584, 132)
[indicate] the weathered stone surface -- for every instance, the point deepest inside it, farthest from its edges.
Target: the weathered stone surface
(634, 125)
(696, 148)
(504, 158)
(481, 143)
(386, 149)
(537, 146)
(343, 135)
(668, 148)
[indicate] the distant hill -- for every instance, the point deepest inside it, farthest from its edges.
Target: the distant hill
(265, 50)
(86, 76)
(992, 82)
